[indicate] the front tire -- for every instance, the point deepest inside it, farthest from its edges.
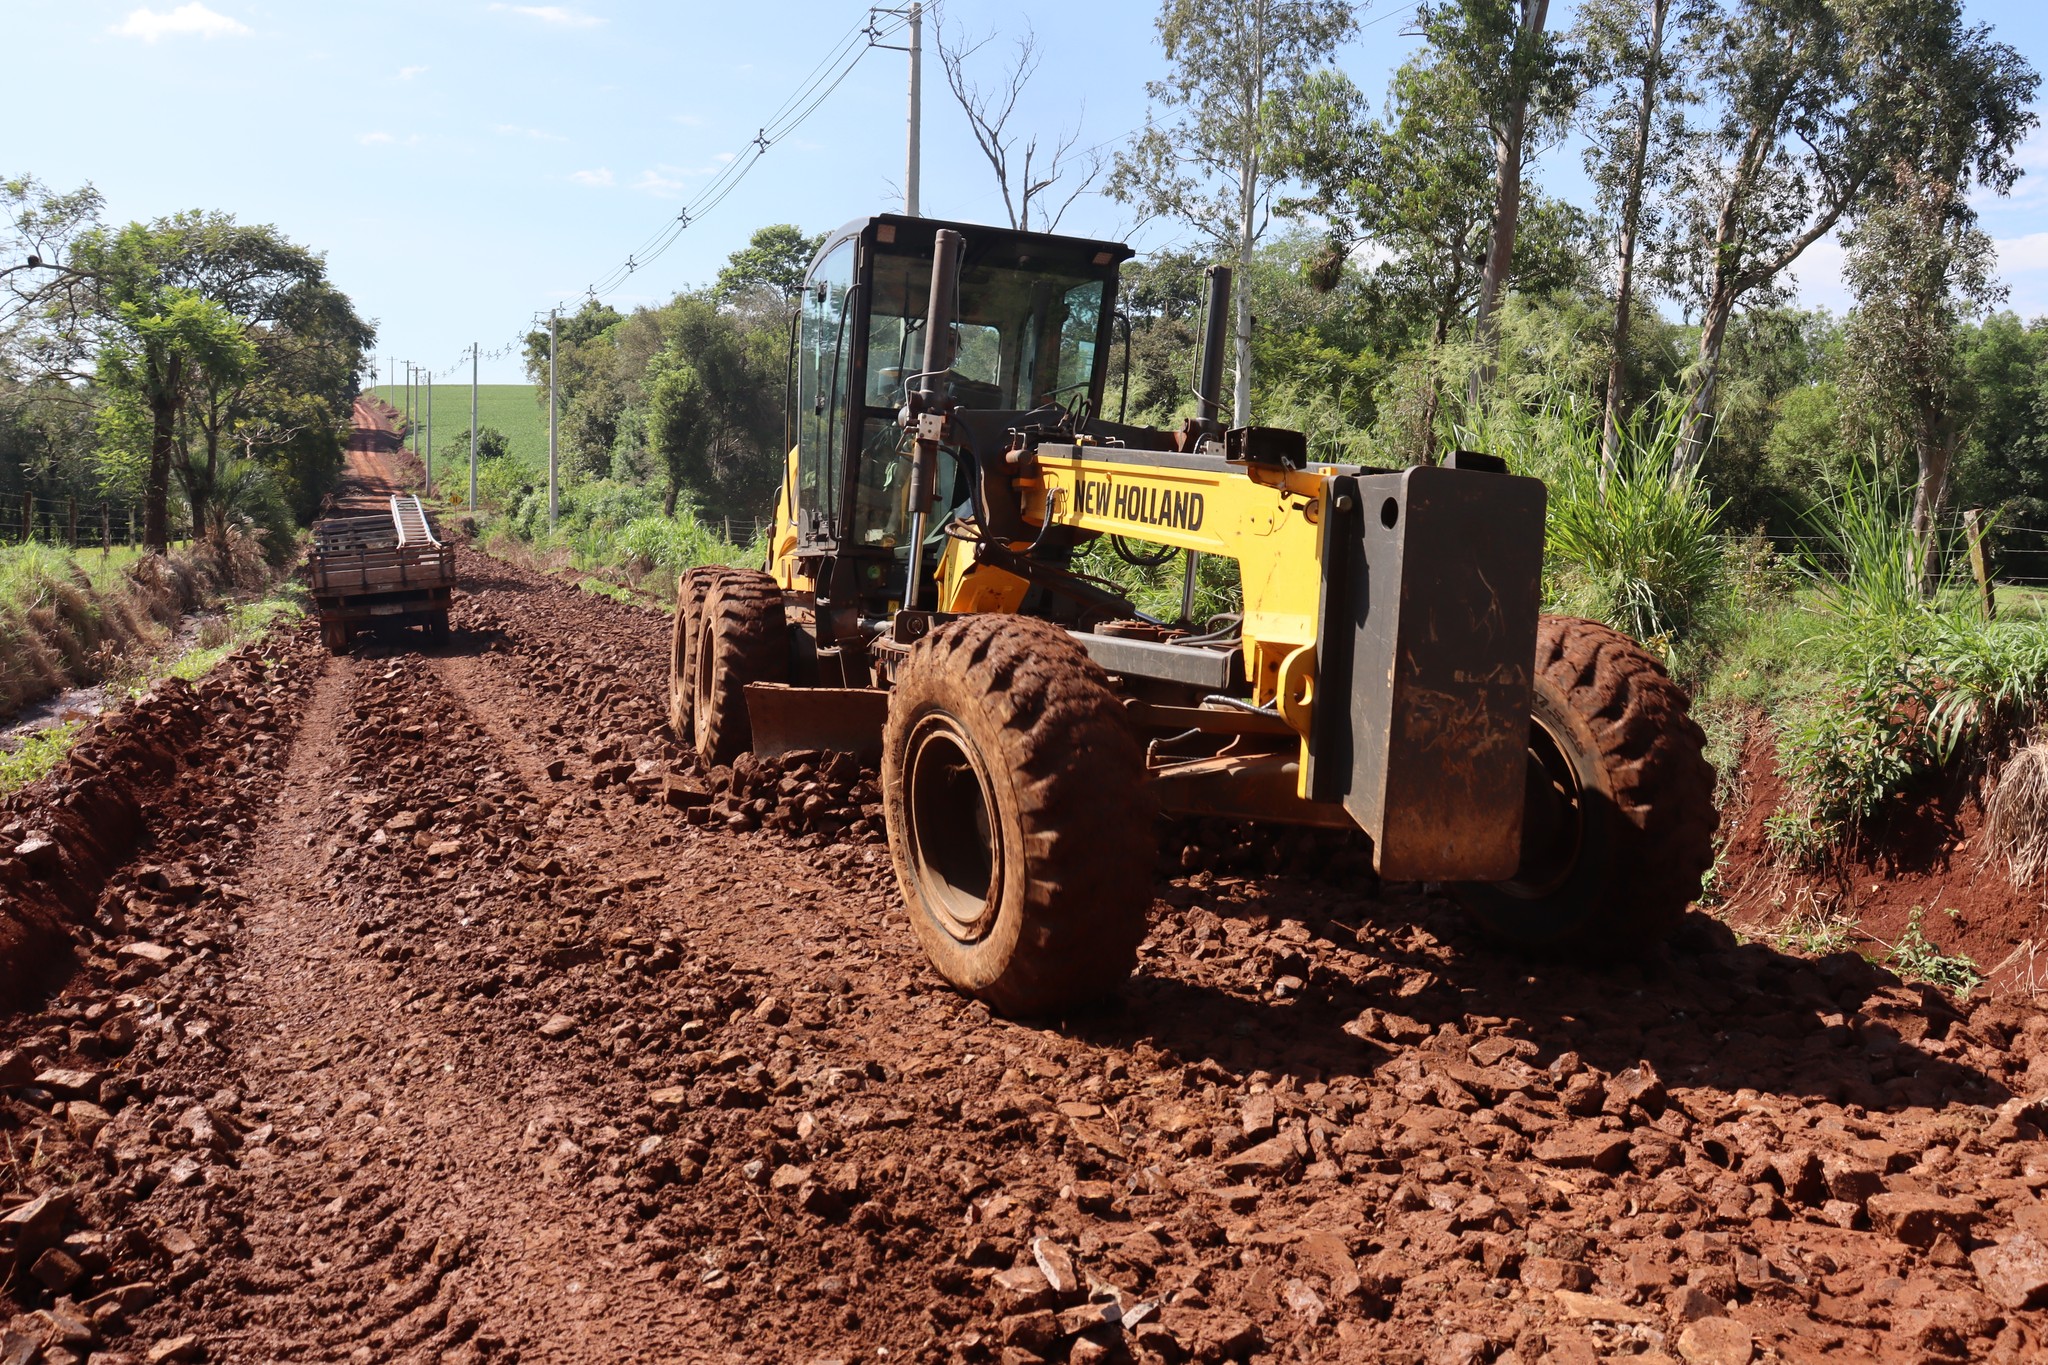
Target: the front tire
(690, 592)
(1019, 821)
(742, 637)
(1619, 825)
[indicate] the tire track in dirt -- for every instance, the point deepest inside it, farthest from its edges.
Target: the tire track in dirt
(419, 1149)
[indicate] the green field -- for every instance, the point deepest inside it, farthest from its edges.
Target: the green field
(511, 408)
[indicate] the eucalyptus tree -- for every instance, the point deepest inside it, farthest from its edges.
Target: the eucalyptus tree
(1637, 136)
(1239, 73)
(1817, 101)
(1919, 265)
(1522, 81)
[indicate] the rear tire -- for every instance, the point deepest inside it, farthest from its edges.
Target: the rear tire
(1619, 827)
(690, 591)
(1019, 821)
(742, 638)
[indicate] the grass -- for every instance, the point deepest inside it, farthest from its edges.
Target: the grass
(1916, 959)
(514, 409)
(240, 623)
(36, 755)
(25, 568)
(1815, 933)
(245, 621)
(2016, 820)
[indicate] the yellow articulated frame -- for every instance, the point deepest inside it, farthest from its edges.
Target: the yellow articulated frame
(1269, 521)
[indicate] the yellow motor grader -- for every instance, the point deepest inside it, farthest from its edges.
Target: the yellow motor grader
(1390, 669)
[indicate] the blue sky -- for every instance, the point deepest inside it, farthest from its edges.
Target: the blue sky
(466, 163)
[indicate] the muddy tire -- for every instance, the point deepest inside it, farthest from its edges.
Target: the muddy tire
(334, 635)
(1619, 827)
(1019, 820)
(742, 637)
(437, 628)
(690, 591)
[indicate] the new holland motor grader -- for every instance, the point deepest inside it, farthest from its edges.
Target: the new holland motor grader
(1390, 669)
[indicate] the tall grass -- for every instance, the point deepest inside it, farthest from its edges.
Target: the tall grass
(618, 530)
(1637, 549)
(1919, 679)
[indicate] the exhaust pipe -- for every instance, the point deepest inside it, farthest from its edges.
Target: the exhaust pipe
(1209, 388)
(928, 406)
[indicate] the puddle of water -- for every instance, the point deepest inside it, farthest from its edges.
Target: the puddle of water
(84, 703)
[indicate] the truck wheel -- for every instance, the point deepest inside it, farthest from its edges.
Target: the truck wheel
(1018, 817)
(334, 635)
(742, 637)
(1619, 825)
(690, 590)
(437, 627)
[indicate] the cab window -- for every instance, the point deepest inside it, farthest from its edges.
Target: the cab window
(824, 363)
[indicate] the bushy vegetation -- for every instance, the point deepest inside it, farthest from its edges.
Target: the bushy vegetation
(610, 527)
(69, 618)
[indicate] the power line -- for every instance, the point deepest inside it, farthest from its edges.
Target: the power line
(816, 88)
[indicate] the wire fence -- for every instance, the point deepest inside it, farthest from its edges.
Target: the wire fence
(2014, 554)
(75, 523)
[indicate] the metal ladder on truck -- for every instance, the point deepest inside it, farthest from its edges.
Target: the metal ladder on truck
(410, 519)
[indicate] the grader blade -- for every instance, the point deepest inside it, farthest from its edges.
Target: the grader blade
(845, 719)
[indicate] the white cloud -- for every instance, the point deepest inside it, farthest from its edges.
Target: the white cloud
(658, 185)
(406, 73)
(557, 15)
(194, 19)
(383, 139)
(2018, 254)
(514, 130)
(600, 178)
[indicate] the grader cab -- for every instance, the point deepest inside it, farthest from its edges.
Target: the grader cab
(1389, 668)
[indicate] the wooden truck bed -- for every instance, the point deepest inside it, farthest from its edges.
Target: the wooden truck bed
(388, 568)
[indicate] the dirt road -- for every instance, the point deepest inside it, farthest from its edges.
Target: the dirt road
(369, 478)
(448, 1014)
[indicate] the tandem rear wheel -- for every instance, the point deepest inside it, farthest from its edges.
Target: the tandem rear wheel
(1018, 819)
(1618, 824)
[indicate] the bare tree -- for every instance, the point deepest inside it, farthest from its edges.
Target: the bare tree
(1026, 179)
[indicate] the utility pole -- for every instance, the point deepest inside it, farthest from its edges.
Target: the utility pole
(910, 169)
(553, 503)
(472, 425)
(911, 159)
(430, 431)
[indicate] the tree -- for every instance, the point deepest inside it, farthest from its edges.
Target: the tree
(576, 357)
(774, 259)
(1519, 76)
(1239, 70)
(679, 425)
(307, 348)
(1637, 138)
(1416, 188)
(1817, 97)
(1919, 267)
(988, 118)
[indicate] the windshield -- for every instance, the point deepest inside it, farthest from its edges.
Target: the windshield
(1022, 337)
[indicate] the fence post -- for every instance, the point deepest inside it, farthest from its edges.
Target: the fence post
(28, 516)
(71, 520)
(131, 525)
(106, 531)
(1973, 527)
